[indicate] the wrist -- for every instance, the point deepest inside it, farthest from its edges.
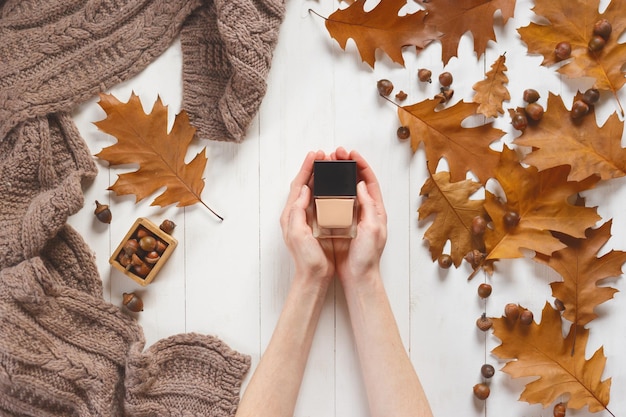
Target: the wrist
(311, 282)
(365, 281)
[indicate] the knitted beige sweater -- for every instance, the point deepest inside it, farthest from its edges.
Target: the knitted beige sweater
(64, 351)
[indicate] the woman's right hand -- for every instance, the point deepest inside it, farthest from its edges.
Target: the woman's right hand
(313, 258)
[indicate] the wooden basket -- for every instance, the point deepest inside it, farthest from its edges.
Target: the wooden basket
(142, 224)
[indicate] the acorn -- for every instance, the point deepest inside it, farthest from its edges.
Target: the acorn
(484, 323)
(102, 212)
(481, 391)
(167, 226)
(132, 302)
(424, 75)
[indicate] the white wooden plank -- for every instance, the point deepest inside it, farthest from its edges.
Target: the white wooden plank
(231, 278)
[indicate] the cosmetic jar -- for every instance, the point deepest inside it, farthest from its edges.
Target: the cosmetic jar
(334, 197)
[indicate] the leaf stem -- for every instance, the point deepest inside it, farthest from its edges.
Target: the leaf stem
(317, 14)
(211, 210)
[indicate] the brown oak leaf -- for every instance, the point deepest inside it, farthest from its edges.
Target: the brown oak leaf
(143, 139)
(465, 148)
(453, 209)
(582, 271)
(380, 28)
(456, 17)
(492, 91)
(540, 350)
(581, 144)
(573, 21)
(541, 201)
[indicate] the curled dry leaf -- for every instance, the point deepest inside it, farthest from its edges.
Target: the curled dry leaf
(582, 273)
(465, 148)
(454, 18)
(380, 28)
(453, 212)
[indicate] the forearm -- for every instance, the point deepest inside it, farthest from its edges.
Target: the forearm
(393, 387)
(274, 386)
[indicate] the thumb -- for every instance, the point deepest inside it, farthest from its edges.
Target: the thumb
(366, 201)
(298, 210)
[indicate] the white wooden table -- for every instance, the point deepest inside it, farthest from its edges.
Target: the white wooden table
(230, 279)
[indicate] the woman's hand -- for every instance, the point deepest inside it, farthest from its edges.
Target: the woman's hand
(313, 258)
(359, 258)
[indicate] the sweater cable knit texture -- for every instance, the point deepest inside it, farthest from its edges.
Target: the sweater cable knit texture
(64, 350)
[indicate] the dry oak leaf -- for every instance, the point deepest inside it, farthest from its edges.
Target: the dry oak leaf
(573, 21)
(581, 144)
(453, 212)
(456, 17)
(380, 28)
(492, 91)
(540, 350)
(143, 139)
(465, 148)
(582, 271)
(541, 201)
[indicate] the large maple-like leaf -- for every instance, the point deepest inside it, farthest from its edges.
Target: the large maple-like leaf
(540, 350)
(541, 201)
(456, 17)
(581, 144)
(465, 148)
(582, 271)
(573, 21)
(380, 28)
(143, 139)
(492, 91)
(453, 209)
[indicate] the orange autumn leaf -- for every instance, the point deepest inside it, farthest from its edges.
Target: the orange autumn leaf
(541, 351)
(573, 21)
(465, 148)
(143, 139)
(541, 201)
(589, 149)
(582, 273)
(456, 17)
(492, 91)
(380, 28)
(453, 211)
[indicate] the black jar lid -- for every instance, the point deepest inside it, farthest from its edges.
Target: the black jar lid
(334, 178)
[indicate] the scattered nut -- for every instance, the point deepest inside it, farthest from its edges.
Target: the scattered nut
(132, 302)
(103, 213)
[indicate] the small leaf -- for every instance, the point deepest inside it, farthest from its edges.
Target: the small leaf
(491, 92)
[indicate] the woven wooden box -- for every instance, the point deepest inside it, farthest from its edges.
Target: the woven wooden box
(143, 225)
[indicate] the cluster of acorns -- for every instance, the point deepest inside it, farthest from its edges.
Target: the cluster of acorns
(144, 249)
(385, 88)
(600, 34)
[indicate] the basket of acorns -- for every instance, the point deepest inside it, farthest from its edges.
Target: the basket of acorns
(144, 250)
